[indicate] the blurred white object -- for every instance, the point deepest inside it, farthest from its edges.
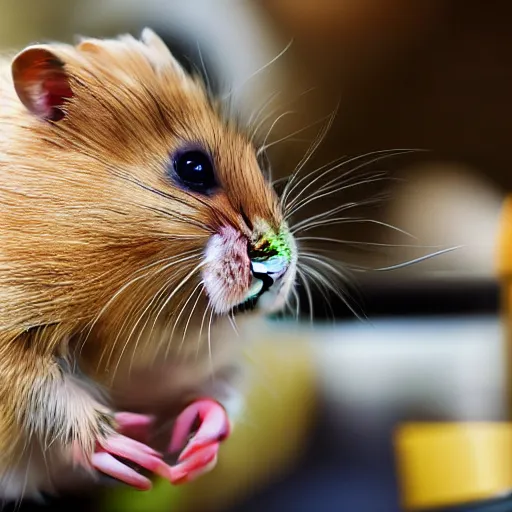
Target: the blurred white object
(447, 205)
(436, 369)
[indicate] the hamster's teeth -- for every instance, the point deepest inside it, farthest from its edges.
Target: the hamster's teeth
(275, 265)
(258, 267)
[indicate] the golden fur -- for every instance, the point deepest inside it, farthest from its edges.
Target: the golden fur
(95, 238)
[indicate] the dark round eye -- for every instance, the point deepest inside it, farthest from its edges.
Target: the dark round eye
(194, 169)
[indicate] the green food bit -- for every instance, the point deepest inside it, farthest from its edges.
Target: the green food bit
(280, 245)
(273, 244)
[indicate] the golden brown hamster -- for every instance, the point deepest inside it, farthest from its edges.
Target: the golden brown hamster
(135, 220)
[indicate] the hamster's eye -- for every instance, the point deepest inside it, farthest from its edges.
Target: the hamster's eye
(194, 169)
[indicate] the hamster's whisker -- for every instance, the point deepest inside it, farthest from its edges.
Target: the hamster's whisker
(409, 262)
(210, 357)
(265, 147)
(331, 191)
(333, 183)
(178, 258)
(297, 303)
(381, 155)
(361, 242)
(280, 180)
(272, 112)
(167, 214)
(278, 118)
(198, 346)
(255, 117)
(351, 220)
(326, 216)
(289, 305)
(361, 179)
(256, 130)
(145, 310)
(200, 287)
(164, 305)
(156, 297)
(205, 73)
(232, 321)
(329, 214)
(303, 279)
(258, 111)
(130, 283)
(311, 151)
(258, 71)
(331, 266)
(136, 305)
(319, 281)
(189, 319)
(294, 176)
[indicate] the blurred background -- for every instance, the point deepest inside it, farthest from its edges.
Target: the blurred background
(420, 342)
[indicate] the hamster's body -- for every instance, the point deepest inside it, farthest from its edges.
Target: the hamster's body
(134, 220)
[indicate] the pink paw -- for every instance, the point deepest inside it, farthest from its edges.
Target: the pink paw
(118, 445)
(199, 454)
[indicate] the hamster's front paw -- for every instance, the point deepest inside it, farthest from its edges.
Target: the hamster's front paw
(115, 445)
(199, 454)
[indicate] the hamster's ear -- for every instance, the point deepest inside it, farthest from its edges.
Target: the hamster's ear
(151, 39)
(160, 51)
(41, 82)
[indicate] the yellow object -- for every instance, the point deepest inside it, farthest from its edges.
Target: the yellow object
(448, 464)
(505, 274)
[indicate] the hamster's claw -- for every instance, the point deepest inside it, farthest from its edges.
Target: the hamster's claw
(200, 462)
(104, 460)
(199, 455)
(118, 445)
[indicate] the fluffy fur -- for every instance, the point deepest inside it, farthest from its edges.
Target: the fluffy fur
(102, 257)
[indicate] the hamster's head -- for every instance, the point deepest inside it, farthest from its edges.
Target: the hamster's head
(138, 183)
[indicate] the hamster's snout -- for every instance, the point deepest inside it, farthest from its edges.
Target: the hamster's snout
(241, 275)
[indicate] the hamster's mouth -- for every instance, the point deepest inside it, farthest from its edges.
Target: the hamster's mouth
(264, 277)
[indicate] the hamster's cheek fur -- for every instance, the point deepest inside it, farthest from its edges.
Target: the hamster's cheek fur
(226, 273)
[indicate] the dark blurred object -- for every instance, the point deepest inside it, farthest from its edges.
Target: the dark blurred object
(393, 298)
(335, 477)
(429, 74)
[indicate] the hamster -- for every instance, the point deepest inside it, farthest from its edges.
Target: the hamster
(135, 222)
